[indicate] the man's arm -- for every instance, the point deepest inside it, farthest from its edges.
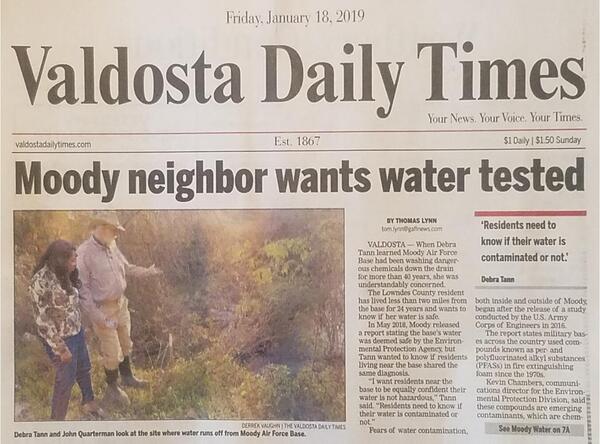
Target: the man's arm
(136, 270)
(88, 306)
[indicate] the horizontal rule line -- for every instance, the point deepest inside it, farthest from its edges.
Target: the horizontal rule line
(365, 131)
(530, 213)
(531, 287)
(311, 150)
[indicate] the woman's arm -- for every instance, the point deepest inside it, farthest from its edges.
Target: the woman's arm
(46, 313)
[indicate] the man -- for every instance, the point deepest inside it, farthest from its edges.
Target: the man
(103, 270)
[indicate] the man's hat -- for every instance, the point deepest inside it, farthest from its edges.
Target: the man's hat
(106, 218)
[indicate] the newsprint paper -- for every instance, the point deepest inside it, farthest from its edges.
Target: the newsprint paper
(300, 221)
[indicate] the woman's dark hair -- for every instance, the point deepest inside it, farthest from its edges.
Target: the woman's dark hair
(55, 258)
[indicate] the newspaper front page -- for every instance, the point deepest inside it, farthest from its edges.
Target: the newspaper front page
(299, 221)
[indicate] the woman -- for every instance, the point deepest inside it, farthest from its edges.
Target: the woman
(54, 290)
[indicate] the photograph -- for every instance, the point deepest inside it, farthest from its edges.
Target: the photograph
(179, 314)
